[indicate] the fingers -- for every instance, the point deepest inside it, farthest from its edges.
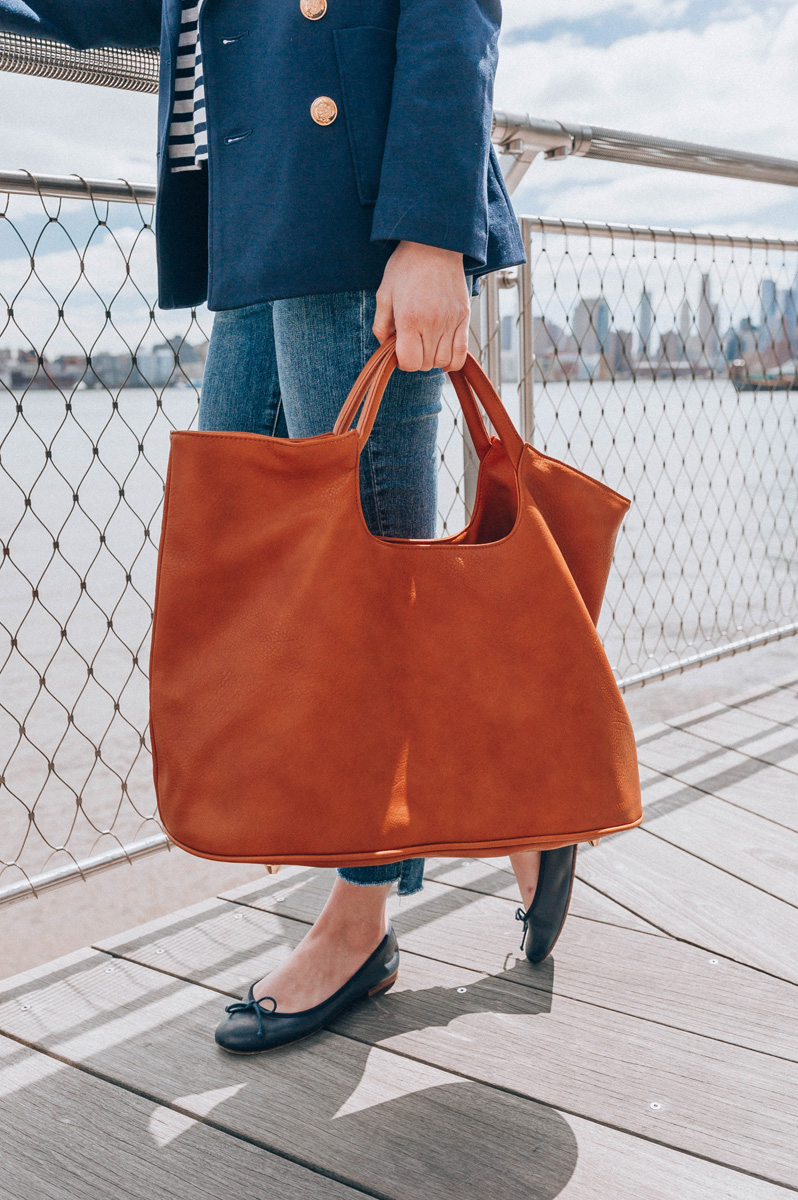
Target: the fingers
(411, 353)
(427, 338)
(420, 343)
(452, 348)
(460, 343)
(417, 337)
(421, 346)
(384, 324)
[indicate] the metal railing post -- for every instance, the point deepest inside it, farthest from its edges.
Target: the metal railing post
(470, 459)
(526, 340)
(484, 342)
(491, 335)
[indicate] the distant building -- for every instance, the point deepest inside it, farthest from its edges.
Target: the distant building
(619, 355)
(167, 364)
(696, 344)
(769, 327)
(732, 346)
(685, 324)
(671, 349)
(645, 325)
(508, 340)
(5, 368)
(748, 334)
(708, 351)
(107, 370)
(590, 327)
(786, 323)
(548, 345)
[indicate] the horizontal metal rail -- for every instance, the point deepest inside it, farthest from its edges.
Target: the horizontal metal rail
(518, 136)
(77, 187)
(653, 233)
(615, 145)
(130, 70)
(523, 137)
(708, 656)
(89, 866)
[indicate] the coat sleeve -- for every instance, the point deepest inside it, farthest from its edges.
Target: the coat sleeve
(85, 24)
(433, 182)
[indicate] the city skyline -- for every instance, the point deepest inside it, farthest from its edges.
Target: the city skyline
(173, 362)
(591, 342)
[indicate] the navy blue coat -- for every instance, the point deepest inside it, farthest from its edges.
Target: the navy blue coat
(294, 208)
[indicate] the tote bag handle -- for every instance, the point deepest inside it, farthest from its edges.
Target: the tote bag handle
(370, 385)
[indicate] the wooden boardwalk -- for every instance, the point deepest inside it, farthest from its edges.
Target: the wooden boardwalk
(653, 1057)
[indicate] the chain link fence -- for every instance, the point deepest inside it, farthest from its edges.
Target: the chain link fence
(92, 379)
(666, 364)
(662, 363)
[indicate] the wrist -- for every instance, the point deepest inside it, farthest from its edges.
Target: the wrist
(431, 253)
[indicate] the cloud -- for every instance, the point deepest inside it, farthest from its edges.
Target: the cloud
(521, 14)
(58, 128)
(521, 18)
(732, 84)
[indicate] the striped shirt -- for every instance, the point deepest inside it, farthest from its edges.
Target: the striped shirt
(188, 136)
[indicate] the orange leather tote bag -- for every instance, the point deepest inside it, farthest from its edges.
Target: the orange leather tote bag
(323, 696)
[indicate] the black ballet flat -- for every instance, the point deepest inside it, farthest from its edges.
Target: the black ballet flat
(253, 1029)
(545, 917)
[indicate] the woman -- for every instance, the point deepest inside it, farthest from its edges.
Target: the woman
(326, 179)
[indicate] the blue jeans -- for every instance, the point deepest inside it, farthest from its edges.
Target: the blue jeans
(284, 368)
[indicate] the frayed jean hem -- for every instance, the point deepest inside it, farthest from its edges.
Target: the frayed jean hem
(409, 874)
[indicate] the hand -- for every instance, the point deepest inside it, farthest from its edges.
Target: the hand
(424, 300)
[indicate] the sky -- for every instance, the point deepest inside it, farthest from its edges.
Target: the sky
(716, 71)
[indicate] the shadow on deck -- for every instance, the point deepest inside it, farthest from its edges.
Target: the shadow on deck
(653, 1056)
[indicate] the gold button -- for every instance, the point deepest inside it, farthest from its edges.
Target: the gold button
(313, 9)
(324, 110)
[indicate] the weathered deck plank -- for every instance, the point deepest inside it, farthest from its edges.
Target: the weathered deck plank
(693, 759)
(352, 1107)
(225, 947)
(746, 845)
(766, 790)
(742, 730)
(66, 1135)
(777, 704)
(99, 1141)
(494, 877)
(696, 901)
(573, 1055)
(668, 982)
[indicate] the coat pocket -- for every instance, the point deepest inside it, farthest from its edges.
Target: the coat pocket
(366, 59)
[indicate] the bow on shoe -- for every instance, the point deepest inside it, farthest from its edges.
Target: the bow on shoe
(243, 1006)
(522, 915)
